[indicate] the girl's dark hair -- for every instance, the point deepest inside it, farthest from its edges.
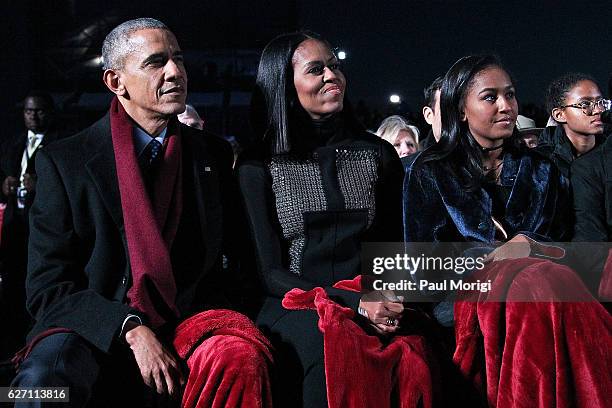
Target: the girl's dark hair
(274, 103)
(457, 149)
(558, 89)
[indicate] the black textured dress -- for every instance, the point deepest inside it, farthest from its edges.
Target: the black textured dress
(309, 211)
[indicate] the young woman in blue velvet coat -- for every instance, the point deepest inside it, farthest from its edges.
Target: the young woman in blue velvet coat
(477, 185)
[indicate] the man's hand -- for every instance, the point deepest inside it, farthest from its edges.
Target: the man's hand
(383, 309)
(29, 182)
(158, 366)
(9, 186)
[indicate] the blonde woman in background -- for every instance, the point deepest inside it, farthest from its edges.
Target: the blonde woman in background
(403, 136)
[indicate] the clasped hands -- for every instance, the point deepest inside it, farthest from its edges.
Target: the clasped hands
(10, 184)
(383, 309)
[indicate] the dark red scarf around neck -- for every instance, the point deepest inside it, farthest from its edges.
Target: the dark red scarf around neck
(150, 228)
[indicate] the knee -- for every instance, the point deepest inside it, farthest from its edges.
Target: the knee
(243, 355)
(548, 282)
(231, 354)
(59, 360)
(37, 373)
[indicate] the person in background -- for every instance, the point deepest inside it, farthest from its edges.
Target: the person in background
(18, 180)
(528, 131)
(402, 135)
(592, 206)
(575, 102)
(191, 118)
(431, 112)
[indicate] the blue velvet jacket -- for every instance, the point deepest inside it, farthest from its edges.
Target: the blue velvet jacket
(438, 209)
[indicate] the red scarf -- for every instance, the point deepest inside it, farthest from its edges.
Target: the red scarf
(150, 228)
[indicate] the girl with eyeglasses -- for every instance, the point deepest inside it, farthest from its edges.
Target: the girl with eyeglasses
(575, 103)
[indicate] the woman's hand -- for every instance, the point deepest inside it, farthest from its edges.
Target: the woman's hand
(383, 309)
(517, 247)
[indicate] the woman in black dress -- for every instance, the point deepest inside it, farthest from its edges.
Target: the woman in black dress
(316, 186)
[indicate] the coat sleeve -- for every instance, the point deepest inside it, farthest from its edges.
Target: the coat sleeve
(591, 226)
(588, 185)
(57, 284)
(423, 211)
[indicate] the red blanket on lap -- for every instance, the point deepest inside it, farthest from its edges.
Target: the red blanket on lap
(224, 352)
(360, 370)
(540, 353)
(191, 332)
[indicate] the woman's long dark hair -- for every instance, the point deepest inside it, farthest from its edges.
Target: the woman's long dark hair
(274, 92)
(457, 149)
(274, 102)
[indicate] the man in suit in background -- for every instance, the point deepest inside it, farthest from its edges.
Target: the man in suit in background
(18, 187)
(17, 169)
(127, 235)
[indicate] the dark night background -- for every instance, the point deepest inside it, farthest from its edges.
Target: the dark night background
(392, 46)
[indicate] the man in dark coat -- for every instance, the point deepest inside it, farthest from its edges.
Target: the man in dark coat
(592, 192)
(126, 241)
(18, 187)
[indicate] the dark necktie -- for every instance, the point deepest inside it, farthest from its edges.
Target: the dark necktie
(152, 155)
(150, 159)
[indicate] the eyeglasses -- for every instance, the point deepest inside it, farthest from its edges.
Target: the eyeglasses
(588, 107)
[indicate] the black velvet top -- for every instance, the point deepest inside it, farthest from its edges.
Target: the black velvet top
(310, 210)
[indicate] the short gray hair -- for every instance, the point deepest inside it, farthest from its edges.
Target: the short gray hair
(116, 45)
(391, 126)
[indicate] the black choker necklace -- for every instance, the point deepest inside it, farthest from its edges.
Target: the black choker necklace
(490, 149)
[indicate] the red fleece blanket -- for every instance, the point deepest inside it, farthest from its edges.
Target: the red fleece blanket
(191, 332)
(225, 354)
(539, 353)
(360, 370)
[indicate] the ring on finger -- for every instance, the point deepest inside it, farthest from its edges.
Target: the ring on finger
(391, 322)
